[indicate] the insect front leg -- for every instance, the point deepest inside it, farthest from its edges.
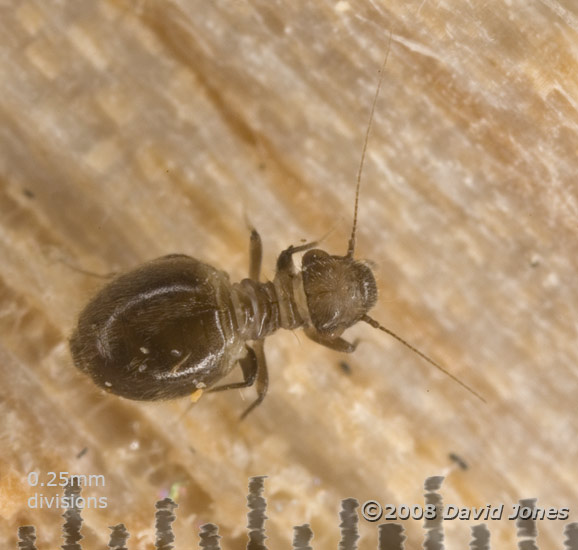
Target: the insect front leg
(338, 344)
(285, 259)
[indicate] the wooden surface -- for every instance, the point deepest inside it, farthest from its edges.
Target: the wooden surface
(130, 130)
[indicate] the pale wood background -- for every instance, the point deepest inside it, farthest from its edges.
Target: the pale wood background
(131, 130)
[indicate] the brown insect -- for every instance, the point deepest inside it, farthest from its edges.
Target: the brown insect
(176, 326)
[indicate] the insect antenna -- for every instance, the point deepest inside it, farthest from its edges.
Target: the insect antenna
(351, 246)
(376, 325)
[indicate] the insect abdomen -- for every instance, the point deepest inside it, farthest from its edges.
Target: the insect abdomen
(160, 331)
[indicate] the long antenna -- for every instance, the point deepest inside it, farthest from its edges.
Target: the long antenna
(351, 246)
(376, 325)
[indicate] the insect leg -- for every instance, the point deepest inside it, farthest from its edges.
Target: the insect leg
(262, 376)
(249, 366)
(285, 259)
(338, 344)
(255, 255)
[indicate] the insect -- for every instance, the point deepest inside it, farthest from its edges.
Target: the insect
(176, 326)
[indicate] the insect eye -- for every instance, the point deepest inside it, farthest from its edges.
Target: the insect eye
(366, 286)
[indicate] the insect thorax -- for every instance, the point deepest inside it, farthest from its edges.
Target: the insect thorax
(262, 308)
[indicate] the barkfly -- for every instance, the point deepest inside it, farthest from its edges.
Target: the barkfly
(176, 326)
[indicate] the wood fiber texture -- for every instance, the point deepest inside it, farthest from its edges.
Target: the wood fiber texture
(130, 130)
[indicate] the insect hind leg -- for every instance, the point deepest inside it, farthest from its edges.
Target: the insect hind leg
(262, 376)
(249, 366)
(254, 367)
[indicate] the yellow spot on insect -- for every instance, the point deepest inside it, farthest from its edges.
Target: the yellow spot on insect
(196, 395)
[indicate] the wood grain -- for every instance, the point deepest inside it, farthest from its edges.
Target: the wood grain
(132, 130)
